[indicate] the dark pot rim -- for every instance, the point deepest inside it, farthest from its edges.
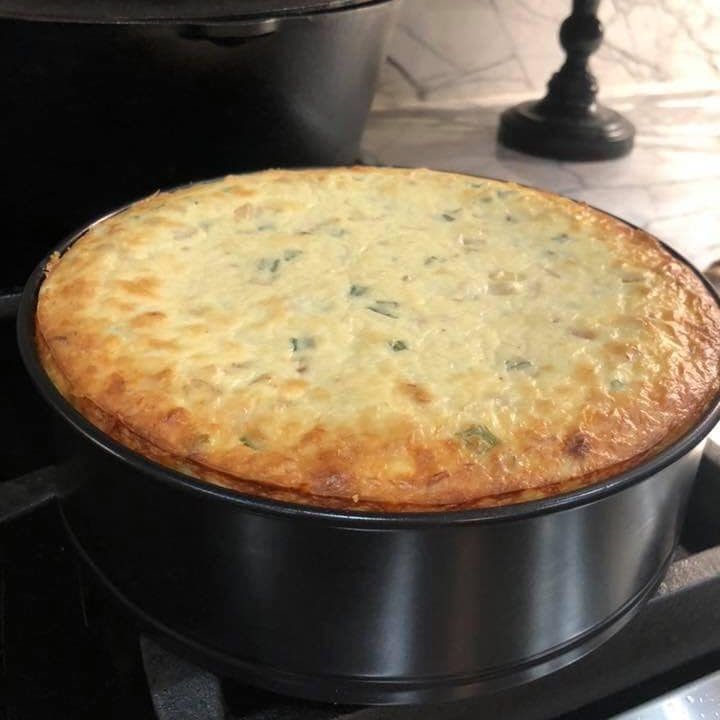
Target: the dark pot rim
(515, 511)
(138, 15)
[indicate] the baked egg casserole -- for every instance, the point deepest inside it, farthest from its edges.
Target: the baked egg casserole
(379, 339)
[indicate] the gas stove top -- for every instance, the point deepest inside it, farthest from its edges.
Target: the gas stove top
(67, 651)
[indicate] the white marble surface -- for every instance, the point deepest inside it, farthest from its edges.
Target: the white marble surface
(449, 51)
(670, 184)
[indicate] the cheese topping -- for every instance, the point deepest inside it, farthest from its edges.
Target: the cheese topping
(404, 338)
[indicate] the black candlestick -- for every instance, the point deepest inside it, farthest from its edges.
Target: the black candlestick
(567, 123)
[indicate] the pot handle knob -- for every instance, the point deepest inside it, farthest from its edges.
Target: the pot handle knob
(228, 34)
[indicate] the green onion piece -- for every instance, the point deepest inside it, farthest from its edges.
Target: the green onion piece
(633, 278)
(397, 345)
(384, 307)
(291, 254)
(271, 264)
(478, 437)
(358, 290)
(303, 343)
(517, 364)
(448, 217)
(248, 443)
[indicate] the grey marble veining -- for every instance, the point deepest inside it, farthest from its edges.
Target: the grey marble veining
(445, 51)
(669, 185)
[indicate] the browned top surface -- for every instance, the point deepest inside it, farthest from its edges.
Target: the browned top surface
(379, 338)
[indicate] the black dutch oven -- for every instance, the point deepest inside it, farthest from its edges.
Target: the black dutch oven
(360, 607)
(107, 99)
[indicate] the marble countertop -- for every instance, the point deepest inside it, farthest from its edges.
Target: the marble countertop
(669, 185)
(467, 49)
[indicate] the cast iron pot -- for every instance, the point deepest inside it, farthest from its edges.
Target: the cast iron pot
(105, 100)
(358, 607)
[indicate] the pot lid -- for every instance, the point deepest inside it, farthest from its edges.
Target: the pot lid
(152, 11)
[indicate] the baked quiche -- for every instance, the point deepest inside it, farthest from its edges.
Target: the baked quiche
(379, 338)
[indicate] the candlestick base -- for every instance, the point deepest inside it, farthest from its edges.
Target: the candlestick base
(598, 134)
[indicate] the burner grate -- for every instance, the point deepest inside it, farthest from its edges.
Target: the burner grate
(180, 691)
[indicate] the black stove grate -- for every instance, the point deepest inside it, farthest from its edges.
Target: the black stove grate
(68, 651)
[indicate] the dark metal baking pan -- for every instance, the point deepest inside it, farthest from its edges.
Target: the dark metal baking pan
(367, 607)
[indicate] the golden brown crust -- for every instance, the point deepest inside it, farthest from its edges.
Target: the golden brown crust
(128, 376)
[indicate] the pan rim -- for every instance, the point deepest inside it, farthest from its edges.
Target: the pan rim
(261, 505)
